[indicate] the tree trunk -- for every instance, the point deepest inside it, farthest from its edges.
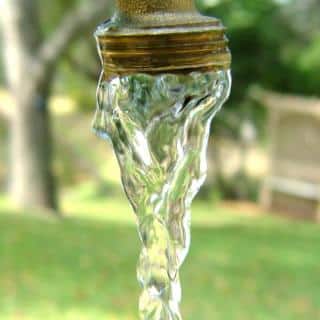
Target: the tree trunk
(32, 181)
(30, 60)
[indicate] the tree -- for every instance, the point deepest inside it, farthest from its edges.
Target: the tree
(30, 61)
(274, 44)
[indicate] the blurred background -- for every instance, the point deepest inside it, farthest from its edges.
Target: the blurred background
(68, 244)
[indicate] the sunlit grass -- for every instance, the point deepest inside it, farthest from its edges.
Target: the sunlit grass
(83, 266)
(109, 203)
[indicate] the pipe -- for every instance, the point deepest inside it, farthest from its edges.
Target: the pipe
(140, 7)
(166, 73)
(152, 36)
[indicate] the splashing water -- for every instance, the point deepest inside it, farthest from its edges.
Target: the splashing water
(159, 127)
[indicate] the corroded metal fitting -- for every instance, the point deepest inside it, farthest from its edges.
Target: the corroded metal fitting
(161, 36)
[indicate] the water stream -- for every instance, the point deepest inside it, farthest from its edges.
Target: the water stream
(159, 127)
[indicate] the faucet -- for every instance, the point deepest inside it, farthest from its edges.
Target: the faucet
(166, 73)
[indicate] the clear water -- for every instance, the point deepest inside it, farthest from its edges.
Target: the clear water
(159, 127)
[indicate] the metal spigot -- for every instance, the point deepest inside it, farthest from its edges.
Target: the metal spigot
(153, 36)
(165, 76)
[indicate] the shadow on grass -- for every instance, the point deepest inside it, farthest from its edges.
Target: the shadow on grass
(85, 269)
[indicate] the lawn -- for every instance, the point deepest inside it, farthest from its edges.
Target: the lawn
(83, 266)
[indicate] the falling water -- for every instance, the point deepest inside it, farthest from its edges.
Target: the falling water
(159, 127)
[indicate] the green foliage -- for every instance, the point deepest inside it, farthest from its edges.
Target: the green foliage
(267, 49)
(52, 12)
(79, 87)
(274, 44)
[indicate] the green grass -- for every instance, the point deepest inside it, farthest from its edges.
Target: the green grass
(83, 267)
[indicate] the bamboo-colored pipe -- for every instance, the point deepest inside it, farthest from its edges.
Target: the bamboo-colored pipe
(137, 7)
(158, 36)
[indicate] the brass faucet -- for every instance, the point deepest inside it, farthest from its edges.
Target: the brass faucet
(157, 36)
(166, 73)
